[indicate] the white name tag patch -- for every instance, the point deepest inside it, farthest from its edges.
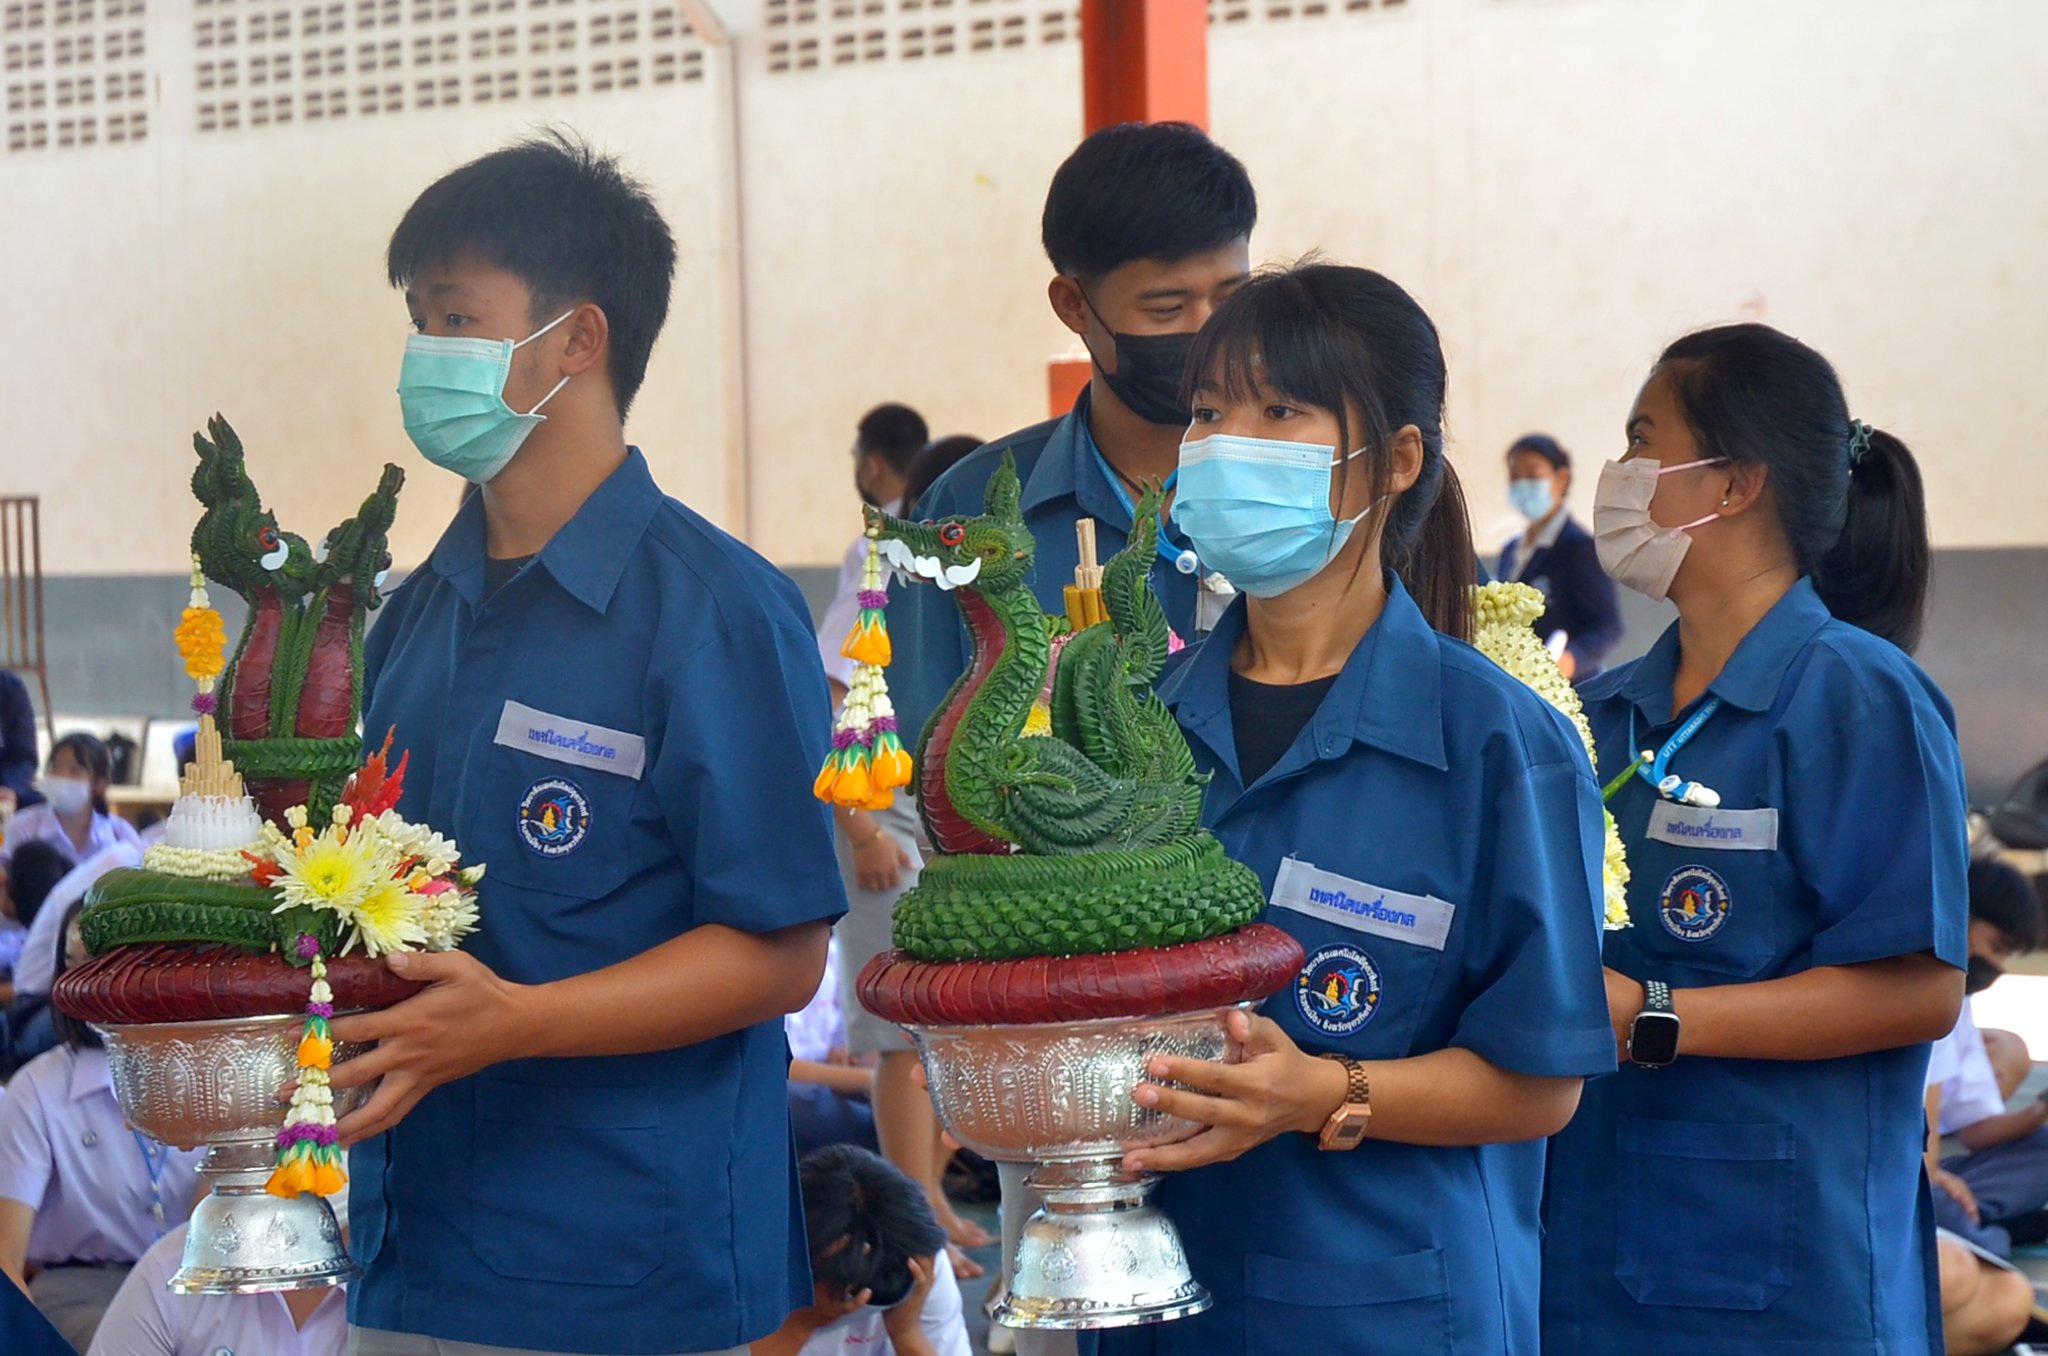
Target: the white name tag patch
(1736, 830)
(576, 742)
(1422, 920)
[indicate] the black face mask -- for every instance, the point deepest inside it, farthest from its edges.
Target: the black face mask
(1149, 369)
(1981, 975)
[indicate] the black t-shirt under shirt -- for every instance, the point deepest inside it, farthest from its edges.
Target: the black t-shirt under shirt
(498, 573)
(1266, 717)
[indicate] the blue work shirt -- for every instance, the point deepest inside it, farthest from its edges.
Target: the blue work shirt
(1063, 482)
(1724, 1205)
(625, 734)
(1454, 834)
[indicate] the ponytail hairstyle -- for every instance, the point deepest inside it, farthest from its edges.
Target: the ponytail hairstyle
(91, 754)
(1848, 496)
(1344, 339)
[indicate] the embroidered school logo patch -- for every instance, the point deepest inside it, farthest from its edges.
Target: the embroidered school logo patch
(1338, 991)
(1694, 905)
(554, 817)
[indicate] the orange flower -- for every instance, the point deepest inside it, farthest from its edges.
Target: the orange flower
(328, 1179)
(827, 775)
(854, 785)
(867, 644)
(315, 1051)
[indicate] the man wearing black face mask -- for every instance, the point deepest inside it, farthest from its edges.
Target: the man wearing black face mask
(2004, 1173)
(1148, 227)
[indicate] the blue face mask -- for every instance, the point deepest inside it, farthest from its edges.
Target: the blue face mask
(452, 393)
(1530, 498)
(1257, 510)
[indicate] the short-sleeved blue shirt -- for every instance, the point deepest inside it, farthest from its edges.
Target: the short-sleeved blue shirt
(1062, 483)
(1741, 1206)
(1433, 839)
(625, 734)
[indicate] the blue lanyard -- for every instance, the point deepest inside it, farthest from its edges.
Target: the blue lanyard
(1655, 767)
(1184, 561)
(155, 1163)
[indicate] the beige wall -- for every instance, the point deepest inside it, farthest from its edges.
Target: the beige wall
(1566, 184)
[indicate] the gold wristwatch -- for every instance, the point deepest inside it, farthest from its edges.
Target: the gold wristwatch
(1347, 1124)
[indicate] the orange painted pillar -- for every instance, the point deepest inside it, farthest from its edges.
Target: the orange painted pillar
(1141, 61)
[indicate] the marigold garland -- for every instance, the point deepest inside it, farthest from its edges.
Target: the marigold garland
(868, 761)
(201, 635)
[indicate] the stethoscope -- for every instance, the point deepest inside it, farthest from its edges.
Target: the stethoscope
(1186, 561)
(1654, 765)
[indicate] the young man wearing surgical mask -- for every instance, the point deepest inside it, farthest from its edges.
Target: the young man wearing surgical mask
(1148, 227)
(619, 709)
(1556, 556)
(2002, 1173)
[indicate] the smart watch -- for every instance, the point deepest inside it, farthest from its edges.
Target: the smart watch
(1347, 1124)
(1653, 1039)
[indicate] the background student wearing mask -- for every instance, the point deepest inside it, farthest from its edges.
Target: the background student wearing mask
(74, 813)
(1556, 556)
(1751, 1180)
(1148, 227)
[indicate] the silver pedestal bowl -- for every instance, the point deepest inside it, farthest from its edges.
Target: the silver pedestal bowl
(216, 1083)
(1058, 1095)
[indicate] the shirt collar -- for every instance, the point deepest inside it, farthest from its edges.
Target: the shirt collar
(1751, 677)
(1547, 538)
(1067, 469)
(1389, 693)
(586, 556)
(89, 1075)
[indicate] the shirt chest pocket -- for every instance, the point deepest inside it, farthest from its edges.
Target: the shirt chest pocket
(1717, 890)
(545, 825)
(1373, 957)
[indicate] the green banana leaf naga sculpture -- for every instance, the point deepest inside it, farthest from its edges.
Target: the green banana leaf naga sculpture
(292, 695)
(1084, 840)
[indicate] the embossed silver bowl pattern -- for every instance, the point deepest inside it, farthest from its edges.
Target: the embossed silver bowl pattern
(216, 1083)
(1056, 1091)
(1098, 1253)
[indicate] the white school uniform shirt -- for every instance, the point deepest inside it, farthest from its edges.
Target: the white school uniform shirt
(1525, 551)
(65, 1149)
(36, 968)
(1969, 1083)
(865, 1331)
(145, 1319)
(819, 1027)
(844, 608)
(39, 823)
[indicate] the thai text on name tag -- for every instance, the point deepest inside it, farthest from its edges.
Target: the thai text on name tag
(1423, 920)
(1736, 830)
(575, 742)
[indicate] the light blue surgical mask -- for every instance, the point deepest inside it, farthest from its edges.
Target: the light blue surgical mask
(1257, 510)
(452, 393)
(1530, 497)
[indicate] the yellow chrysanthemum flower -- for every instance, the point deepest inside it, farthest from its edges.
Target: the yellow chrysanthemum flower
(330, 871)
(387, 918)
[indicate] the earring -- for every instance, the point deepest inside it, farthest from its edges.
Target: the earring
(1724, 503)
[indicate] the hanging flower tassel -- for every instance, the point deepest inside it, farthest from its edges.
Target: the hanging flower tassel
(868, 761)
(308, 1148)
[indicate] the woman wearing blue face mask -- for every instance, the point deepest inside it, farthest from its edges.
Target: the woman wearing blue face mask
(1555, 555)
(1424, 824)
(1788, 786)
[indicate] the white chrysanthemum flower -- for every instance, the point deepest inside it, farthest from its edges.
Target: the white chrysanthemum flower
(1503, 629)
(437, 855)
(388, 918)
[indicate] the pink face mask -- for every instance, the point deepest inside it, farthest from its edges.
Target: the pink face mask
(1633, 548)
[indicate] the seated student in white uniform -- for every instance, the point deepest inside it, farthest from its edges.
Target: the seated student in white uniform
(73, 813)
(36, 969)
(29, 877)
(82, 1196)
(146, 1319)
(878, 1262)
(1985, 1303)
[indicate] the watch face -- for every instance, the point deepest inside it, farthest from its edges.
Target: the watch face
(1653, 1041)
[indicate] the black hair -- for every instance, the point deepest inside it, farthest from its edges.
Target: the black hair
(32, 872)
(1158, 190)
(570, 223)
(2002, 897)
(865, 1220)
(1544, 446)
(92, 755)
(1344, 339)
(934, 460)
(895, 433)
(70, 1030)
(1755, 396)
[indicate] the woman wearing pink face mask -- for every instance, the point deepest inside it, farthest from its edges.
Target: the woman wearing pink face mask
(73, 813)
(1787, 783)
